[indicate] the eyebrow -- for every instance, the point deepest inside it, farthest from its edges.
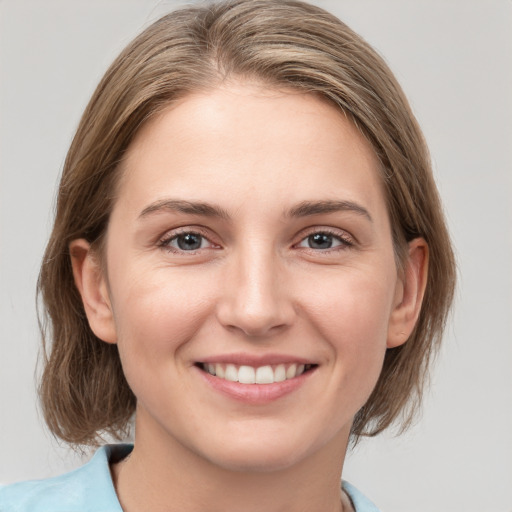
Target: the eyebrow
(307, 208)
(303, 209)
(189, 207)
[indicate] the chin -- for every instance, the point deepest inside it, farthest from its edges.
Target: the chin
(258, 454)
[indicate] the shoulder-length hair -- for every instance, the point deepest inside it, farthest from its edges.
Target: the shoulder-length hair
(284, 44)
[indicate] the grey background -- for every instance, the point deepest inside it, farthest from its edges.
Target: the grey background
(453, 60)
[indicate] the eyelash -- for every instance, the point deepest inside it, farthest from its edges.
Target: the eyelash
(165, 242)
(346, 241)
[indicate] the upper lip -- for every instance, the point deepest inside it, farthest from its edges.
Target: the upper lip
(255, 360)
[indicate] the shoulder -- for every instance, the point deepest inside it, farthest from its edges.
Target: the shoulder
(360, 502)
(86, 489)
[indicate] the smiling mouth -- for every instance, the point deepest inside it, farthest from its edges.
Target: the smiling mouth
(268, 374)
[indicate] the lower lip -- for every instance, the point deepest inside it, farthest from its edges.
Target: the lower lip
(257, 394)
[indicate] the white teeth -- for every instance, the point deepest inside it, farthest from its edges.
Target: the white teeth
(262, 375)
(290, 372)
(231, 373)
(246, 375)
(280, 373)
(219, 371)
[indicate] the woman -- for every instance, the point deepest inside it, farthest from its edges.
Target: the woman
(249, 254)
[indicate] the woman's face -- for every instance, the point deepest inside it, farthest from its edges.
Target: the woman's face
(250, 239)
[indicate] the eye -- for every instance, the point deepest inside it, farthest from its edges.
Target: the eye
(323, 241)
(186, 241)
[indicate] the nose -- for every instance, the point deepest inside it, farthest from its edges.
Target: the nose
(256, 297)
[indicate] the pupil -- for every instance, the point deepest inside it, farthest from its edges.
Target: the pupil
(320, 241)
(189, 242)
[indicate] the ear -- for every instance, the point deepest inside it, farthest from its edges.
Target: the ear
(92, 285)
(409, 294)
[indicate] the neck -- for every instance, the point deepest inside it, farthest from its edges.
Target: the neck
(163, 475)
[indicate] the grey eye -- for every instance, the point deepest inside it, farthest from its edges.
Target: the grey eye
(320, 241)
(188, 242)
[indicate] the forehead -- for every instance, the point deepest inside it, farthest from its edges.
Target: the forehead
(245, 141)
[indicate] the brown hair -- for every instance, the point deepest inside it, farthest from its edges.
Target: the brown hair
(283, 44)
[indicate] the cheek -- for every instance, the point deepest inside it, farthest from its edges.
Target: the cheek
(355, 301)
(157, 313)
(352, 314)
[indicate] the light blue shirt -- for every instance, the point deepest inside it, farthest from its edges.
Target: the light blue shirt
(90, 489)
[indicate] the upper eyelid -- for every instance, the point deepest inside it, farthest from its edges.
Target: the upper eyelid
(183, 230)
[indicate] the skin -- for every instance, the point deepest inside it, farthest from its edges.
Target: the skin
(255, 287)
